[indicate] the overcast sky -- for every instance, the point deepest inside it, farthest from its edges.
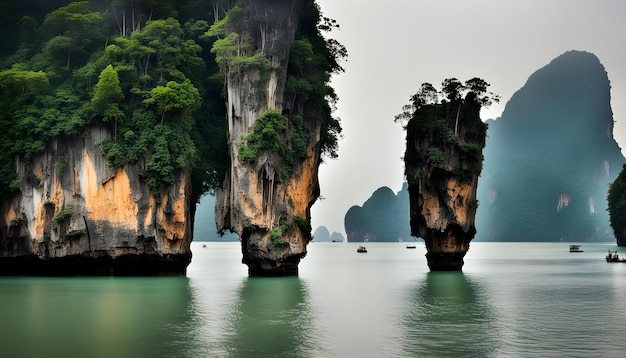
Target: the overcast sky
(396, 45)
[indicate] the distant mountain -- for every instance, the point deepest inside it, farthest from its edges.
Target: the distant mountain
(204, 228)
(337, 237)
(383, 217)
(550, 158)
(321, 234)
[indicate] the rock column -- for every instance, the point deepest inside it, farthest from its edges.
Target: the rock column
(443, 160)
(267, 203)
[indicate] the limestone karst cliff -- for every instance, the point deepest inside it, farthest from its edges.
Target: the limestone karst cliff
(278, 121)
(73, 215)
(443, 160)
(551, 156)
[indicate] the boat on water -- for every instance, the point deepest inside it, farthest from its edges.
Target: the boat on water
(361, 249)
(410, 246)
(614, 257)
(575, 248)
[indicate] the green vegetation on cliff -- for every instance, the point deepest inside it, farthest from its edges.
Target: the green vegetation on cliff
(148, 71)
(242, 43)
(436, 114)
(270, 132)
(140, 69)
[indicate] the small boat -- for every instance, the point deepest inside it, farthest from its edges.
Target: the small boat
(410, 246)
(361, 249)
(614, 257)
(575, 248)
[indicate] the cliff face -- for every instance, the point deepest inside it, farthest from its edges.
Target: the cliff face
(73, 215)
(550, 157)
(267, 209)
(442, 171)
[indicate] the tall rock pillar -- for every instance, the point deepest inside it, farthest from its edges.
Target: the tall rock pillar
(266, 197)
(443, 160)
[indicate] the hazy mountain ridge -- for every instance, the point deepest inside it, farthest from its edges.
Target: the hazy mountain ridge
(321, 234)
(383, 217)
(550, 157)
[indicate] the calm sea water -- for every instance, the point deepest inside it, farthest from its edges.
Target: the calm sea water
(511, 300)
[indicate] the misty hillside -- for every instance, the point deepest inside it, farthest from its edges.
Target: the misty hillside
(550, 158)
(321, 234)
(204, 227)
(383, 217)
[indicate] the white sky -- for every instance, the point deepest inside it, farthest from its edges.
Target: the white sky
(396, 45)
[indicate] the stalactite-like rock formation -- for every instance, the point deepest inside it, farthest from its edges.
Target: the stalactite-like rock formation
(266, 198)
(73, 215)
(443, 160)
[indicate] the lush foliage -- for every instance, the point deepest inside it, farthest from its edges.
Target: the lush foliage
(452, 91)
(148, 71)
(276, 237)
(617, 201)
(269, 133)
(63, 214)
(301, 222)
(314, 58)
(436, 156)
(266, 134)
(439, 112)
(68, 66)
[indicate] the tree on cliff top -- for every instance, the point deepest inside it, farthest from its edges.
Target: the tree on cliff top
(452, 90)
(173, 97)
(106, 97)
(617, 202)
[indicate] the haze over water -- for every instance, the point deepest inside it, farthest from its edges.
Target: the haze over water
(512, 299)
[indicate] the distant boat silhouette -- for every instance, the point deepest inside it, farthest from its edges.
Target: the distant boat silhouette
(575, 248)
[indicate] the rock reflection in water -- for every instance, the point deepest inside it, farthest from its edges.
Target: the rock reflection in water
(449, 318)
(272, 317)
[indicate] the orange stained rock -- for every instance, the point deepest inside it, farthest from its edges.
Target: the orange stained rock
(10, 215)
(40, 221)
(300, 189)
(459, 194)
(111, 201)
